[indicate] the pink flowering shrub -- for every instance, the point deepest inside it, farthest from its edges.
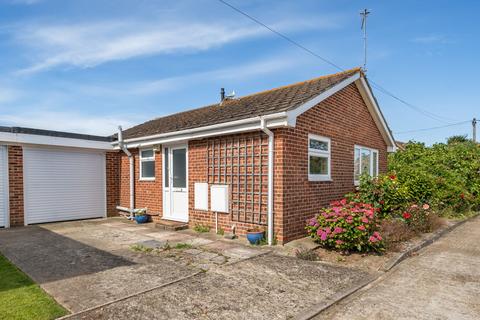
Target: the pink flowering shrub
(349, 226)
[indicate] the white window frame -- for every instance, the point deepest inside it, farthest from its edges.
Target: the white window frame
(373, 174)
(320, 153)
(142, 159)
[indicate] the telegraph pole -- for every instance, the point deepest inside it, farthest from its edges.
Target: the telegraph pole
(364, 15)
(474, 129)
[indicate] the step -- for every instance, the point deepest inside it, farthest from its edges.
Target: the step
(171, 225)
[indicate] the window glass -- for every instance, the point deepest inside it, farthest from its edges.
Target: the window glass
(318, 145)
(375, 164)
(356, 164)
(179, 168)
(147, 164)
(318, 165)
(167, 168)
(148, 169)
(147, 153)
(366, 154)
(365, 161)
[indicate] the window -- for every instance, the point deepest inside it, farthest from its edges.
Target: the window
(318, 158)
(365, 161)
(147, 164)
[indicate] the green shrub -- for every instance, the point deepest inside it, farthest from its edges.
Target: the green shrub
(349, 226)
(384, 192)
(447, 176)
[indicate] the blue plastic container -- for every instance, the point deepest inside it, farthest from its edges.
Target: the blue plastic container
(254, 237)
(141, 219)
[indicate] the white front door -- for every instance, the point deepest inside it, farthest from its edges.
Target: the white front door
(175, 183)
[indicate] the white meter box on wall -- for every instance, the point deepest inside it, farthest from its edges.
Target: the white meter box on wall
(219, 200)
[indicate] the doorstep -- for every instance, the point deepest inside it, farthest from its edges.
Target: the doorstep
(171, 225)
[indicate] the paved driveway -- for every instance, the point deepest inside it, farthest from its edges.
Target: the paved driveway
(87, 264)
(442, 282)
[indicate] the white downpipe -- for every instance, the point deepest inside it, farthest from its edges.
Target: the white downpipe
(130, 163)
(270, 179)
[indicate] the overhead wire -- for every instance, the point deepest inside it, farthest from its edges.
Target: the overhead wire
(380, 88)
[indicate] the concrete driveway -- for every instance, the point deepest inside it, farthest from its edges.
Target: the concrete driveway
(441, 282)
(89, 267)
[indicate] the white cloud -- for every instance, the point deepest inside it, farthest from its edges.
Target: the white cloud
(237, 72)
(69, 121)
(94, 44)
(90, 44)
(431, 39)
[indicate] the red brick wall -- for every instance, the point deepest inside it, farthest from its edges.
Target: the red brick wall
(345, 119)
(148, 194)
(197, 166)
(15, 180)
(112, 161)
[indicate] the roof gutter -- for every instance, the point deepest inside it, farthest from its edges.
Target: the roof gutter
(244, 125)
(271, 146)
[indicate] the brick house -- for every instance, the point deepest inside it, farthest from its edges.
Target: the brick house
(268, 160)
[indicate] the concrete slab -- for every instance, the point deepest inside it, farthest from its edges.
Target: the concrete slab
(266, 287)
(83, 269)
(441, 282)
(135, 228)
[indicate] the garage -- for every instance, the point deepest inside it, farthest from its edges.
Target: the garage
(3, 187)
(63, 184)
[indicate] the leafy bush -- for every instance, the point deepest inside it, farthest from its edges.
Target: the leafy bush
(383, 192)
(421, 218)
(349, 226)
(444, 175)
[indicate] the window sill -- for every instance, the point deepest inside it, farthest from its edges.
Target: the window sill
(319, 179)
(146, 179)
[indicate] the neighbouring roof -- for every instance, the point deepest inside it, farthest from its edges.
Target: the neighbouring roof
(258, 104)
(57, 134)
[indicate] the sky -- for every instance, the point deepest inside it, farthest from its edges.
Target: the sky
(89, 66)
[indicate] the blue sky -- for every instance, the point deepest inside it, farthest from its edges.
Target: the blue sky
(87, 66)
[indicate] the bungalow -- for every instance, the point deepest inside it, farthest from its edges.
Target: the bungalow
(268, 160)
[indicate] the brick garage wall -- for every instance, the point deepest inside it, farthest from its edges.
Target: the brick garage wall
(345, 119)
(112, 161)
(148, 194)
(15, 180)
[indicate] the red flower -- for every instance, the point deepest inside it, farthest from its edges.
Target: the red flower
(406, 215)
(393, 177)
(462, 196)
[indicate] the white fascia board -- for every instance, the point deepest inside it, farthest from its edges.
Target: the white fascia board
(367, 95)
(213, 132)
(22, 138)
(272, 120)
(293, 114)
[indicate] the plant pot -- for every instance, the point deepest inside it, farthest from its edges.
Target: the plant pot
(141, 219)
(254, 237)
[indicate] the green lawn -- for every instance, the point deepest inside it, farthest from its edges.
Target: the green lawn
(21, 298)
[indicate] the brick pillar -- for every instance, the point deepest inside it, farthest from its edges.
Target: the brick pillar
(112, 160)
(15, 178)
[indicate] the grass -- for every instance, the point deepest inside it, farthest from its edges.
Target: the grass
(200, 228)
(21, 298)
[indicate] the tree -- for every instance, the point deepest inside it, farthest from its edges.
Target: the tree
(457, 139)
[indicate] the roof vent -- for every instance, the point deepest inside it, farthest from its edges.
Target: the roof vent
(224, 97)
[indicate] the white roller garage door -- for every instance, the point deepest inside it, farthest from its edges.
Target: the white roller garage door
(63, 184)
(3, 187)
